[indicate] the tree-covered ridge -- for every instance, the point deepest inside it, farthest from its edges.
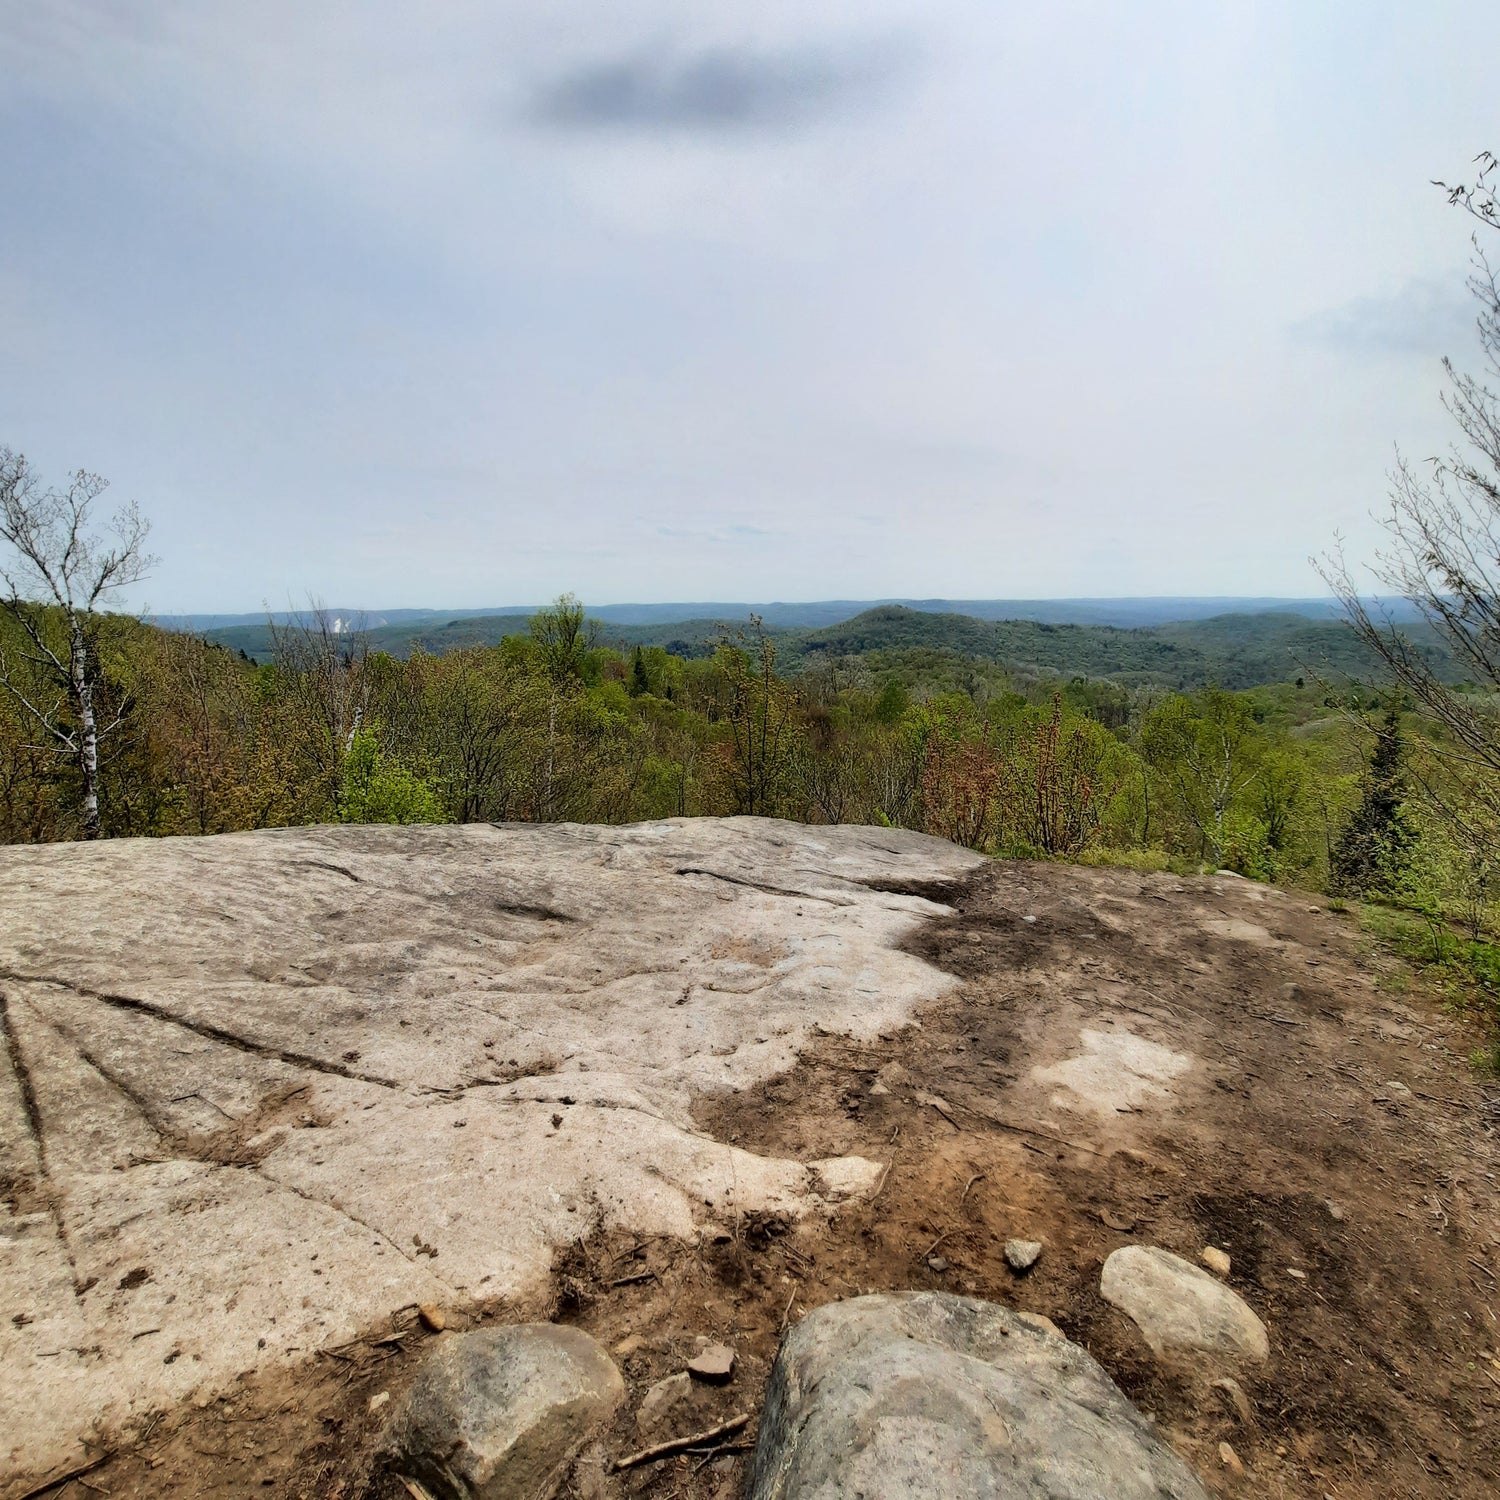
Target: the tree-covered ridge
(557, 724)
(1235, 650)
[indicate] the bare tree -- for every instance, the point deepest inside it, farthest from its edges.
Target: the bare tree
(322, 659)
(64, 567)
(1442, 553)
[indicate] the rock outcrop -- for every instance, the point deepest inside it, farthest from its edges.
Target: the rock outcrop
(927, 1396)
(259, 1091)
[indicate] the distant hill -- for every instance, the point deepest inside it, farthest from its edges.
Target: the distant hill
(1233, 651)
(1242, 649)
(1127, 613)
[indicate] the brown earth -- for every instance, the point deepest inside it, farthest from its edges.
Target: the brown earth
(1302, 1106)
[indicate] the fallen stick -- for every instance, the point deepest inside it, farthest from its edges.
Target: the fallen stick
(676, 1445)
(415, 1490)
(62, 1479)
(631, 1280)
(964, 1196)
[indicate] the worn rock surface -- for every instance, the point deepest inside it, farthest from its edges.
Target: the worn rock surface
(259, 1091)
(1180, 1308)
(937, 1397)
(498, 1413)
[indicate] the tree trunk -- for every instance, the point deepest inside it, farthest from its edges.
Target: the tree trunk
(88, 728)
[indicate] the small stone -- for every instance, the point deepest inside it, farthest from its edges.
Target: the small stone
(1022, 1255)
(1335, 1211)
(1234, 1394)
(631, 1344)
(432, 1317)
(714, 1363)
(376, 1401)
(1216, 1260)
(878, 1089)
(661, 1402)
(1297, 1275)
(1396, 1089)
(1230, 1459)
(937, 1263)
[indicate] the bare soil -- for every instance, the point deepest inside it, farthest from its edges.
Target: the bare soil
(1327, 1124)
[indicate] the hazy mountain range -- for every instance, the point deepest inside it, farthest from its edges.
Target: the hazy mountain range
(810, 616)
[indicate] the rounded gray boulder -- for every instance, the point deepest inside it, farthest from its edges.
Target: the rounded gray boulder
(499, 1414)
(938, 1397)
(1179, 1308)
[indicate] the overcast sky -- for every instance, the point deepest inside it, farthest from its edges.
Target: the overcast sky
(472, 303)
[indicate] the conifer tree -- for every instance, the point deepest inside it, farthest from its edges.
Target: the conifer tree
(1375, 843)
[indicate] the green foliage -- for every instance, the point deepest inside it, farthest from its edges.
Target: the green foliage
(564, 637)
(377, 789)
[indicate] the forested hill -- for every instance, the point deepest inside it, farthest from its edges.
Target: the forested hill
(1233, 650)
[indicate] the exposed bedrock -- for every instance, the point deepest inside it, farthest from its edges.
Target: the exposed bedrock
(259, 1091)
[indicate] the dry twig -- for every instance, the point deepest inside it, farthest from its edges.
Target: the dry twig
(677, 1445)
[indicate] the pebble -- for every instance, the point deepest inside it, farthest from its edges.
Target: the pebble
(1335, 1211)
(937, 1263)
(660, 1404)
(1234, 1393)
(1230, 1459)
(878, 1089)
(715, 1364)
(432, 1317)
(1294, 1272)
(378, 1400)
(1216, 1260)
(1022, 1255)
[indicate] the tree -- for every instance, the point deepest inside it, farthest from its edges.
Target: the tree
(1442, 553)
(564, 636)
(1374, 845)
(63, 569)
(1207, 752)
(640, 680)
(760, 719)
(322, 662)
(1056, 781)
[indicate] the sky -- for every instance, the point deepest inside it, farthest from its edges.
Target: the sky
(470, 304)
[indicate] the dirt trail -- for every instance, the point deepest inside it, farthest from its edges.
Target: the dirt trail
(1130, 1058)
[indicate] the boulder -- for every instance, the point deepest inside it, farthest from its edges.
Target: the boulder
(499, 1414)
(1179, 1308)
(929, 1396)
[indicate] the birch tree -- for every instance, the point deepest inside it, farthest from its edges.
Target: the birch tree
(63, 566)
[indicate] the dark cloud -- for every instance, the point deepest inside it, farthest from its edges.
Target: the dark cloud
(1428, 317)
(719, 90)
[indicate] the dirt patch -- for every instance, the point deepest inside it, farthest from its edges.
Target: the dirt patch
(1322, 1130)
